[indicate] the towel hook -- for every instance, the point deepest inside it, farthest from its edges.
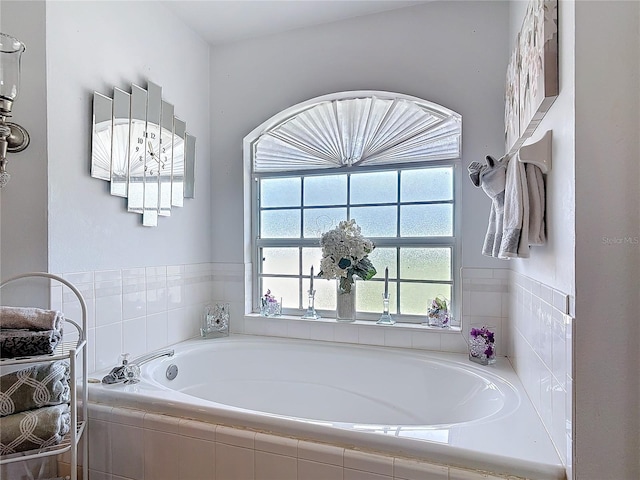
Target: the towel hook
(538, 153)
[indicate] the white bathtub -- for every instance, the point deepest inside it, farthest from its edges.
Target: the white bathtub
(435, 407)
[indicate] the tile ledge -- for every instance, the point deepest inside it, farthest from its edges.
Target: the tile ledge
(362, 323)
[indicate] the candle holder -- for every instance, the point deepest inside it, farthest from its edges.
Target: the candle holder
(385, 318)
(311, 311)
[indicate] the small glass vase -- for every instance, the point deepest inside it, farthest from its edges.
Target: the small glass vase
(346, 303)
(482, 344)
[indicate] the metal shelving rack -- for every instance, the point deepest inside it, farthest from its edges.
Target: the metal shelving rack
(71, 351)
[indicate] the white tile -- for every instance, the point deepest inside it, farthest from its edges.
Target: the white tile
(108, 310)
(79, 277)
(195, 429)
(321, 331)
(108, 345)
(179, 326)
(175, 270)
(269, 466)
(276, 444)
(308, 470)
(485, 304)
(345, 333)
(127, 446)
(235, 436)
(368, 462)
(255, 326)
(558, 420)
(175, 294)
(162, 423)
(546, 397)
(561, 301)
(320, 452)
(396, 337)
(160, 450)
(414, 470)
(426, 340)
(158, 271)
(156, 299)
(371, 335)
(350, 474)
(100, 451)
(276, 327)
(157, 331)
(234, 462)
(197, 459)
(453, 342)
(134, 336)
(127, 416)
(477, 273)
(298, 328)
(134, 304)
(91, 350)
(460, 474)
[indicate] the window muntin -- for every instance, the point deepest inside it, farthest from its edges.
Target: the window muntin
(407, 212)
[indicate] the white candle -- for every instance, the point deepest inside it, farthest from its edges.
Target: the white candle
(311, 284)
(386, 282)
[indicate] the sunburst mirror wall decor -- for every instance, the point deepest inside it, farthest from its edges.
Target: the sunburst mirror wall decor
(143, 150)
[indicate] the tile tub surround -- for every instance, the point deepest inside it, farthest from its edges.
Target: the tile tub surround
(134, 445)
(136, 310)
(541, 354)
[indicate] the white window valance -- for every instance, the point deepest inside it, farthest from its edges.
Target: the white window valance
(356, 128)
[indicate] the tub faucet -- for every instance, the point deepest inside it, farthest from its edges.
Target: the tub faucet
(129, 370)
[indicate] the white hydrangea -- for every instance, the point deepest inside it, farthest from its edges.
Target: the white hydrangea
(344, 253)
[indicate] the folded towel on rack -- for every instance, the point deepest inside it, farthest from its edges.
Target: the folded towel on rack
(492, 181)
(25, 343)
(536, 191)
(40, 385)
(515, 233)
(34, 429)
(30, 318)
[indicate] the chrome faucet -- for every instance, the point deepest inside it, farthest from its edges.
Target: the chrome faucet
(129, 370)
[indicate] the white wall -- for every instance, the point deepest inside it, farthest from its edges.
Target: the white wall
(451, 53)
(96, 46)
(23, 202)
(606, 356)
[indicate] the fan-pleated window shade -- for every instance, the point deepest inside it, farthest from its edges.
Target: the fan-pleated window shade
(359, 131)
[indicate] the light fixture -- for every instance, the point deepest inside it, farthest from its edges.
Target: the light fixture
(13, 138)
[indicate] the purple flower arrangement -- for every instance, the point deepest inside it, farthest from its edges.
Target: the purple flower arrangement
(438, 314)
(482, 345)
(269, 305)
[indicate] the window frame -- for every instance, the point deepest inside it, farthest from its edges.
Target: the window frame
(452, 242)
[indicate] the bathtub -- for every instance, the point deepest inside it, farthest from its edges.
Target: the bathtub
(428, 406)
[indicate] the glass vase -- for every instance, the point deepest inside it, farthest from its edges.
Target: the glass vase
(346, 303)
(482, 344)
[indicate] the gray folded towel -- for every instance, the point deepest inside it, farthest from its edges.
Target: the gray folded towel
(34, 429)
(31, 318)
(25, 343)
(40, 385)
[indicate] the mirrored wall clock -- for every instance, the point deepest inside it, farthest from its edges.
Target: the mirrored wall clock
(143, 150)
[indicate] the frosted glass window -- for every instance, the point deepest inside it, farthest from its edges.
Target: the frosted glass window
(282, 288)
(384, 257)
(426, 220)
(280, 192)
(425, 263)
(320, 220)
(415, 296)
(311, 256)
(374, 187)
(428, 184)
(369, 296)
(280, 260)
(325, 190)
(376, 221)
(280, 224)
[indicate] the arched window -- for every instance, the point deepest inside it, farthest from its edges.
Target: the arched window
(386, 160)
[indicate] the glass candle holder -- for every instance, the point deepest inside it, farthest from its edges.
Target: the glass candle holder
(385, 318)
(311, 311)
(270, 308)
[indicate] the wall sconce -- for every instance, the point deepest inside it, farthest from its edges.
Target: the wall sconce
(13, 138)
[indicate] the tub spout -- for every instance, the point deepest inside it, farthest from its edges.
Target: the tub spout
(129, 370)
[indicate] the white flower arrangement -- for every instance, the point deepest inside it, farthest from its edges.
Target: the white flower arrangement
(345, 254)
